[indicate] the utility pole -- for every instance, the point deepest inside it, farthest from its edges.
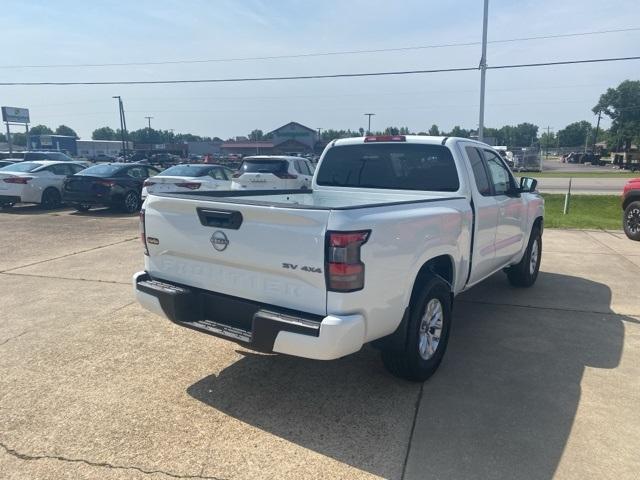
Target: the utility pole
(483, 69)
(319, 131)
(595, 138)
(546, 144)
(149, 120)
(123, 125)
(369, 128)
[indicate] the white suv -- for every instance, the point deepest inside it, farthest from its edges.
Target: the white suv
(270, 172)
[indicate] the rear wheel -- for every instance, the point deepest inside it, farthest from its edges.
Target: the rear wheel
(525, 273)
(631, 221)
(427, 337)
(131, 202)
(50, 199)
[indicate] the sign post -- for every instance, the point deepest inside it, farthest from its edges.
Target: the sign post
(16, 116)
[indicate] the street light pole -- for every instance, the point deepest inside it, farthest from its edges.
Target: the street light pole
(483, 69)
(149, 120)
(369, 128)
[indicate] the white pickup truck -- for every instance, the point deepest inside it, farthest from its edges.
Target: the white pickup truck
(392, 230)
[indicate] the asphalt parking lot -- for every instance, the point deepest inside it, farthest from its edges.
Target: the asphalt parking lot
(536, 384)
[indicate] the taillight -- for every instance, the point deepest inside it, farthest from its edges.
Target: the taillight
(148, 183)
(143, 233)
(20, 180)
(344, 269)
(285, 175)
(189, 185)
(106, 183)
(385, 138)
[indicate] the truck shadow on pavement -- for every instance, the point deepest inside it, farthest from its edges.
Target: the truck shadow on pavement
(501, 406)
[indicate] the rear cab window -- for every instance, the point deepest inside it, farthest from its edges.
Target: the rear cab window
(396, 166)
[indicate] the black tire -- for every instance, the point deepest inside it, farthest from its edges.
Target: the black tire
(131, 202)
(525, 273)
(631, 221)
(417, 363)
(82, 207)
(51, 199)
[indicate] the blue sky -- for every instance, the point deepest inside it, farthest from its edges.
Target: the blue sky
(72, 32)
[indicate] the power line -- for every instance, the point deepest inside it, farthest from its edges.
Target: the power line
(325, 54)
(316, 77)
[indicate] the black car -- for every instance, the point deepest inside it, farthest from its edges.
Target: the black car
(113, 184)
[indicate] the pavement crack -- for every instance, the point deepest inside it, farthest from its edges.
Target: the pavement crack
(69, 254)
(14, 337)
(17, 274)
(413, 427)
(27, 457)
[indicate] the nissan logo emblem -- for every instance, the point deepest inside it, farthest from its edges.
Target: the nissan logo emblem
(219, 241)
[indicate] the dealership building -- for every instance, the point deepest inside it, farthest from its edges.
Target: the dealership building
(92, 148)
(292, 138)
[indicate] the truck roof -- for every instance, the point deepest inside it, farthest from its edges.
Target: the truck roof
(425, 139)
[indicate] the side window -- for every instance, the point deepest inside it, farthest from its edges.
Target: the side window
(59, 169)
(479, 172)
(151, 172)
(305, 167)
(296, 164)
(75, 168)
(500, 177)
(217, 174)
(311, 168)
(136, 172)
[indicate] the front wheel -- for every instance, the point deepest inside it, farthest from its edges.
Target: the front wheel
(427, 337)
(525, 273)
(631, 221)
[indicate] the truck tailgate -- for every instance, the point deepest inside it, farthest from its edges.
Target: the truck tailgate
(274, 254)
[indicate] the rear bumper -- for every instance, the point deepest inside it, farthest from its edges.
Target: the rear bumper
(254, 325)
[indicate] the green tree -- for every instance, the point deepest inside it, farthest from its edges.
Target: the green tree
(575, 134)
(392, 131)
(104, 133)
(458, 131)
(434, 130)
(19, 139)
(68, 131)
(547, 140)
(40, 130)
(256, 135)
(622, 106)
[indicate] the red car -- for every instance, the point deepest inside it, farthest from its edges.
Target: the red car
(631, 207)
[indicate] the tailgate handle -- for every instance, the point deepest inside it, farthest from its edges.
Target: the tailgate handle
(220, 218)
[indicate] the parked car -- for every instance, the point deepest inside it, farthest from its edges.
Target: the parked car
(184, 178)
(103, 158)
(116, 185)
(35, 182)
(394, 228)
(57, 156)
(273, 172)
(631, 208)
(164, 159)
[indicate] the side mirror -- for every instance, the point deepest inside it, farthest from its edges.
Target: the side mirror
(528, 184)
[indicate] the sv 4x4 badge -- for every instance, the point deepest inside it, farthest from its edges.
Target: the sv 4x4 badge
(304, 268)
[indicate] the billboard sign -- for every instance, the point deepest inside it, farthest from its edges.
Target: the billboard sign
(15, 115)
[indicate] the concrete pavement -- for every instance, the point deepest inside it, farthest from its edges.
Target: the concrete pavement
(538, 383)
